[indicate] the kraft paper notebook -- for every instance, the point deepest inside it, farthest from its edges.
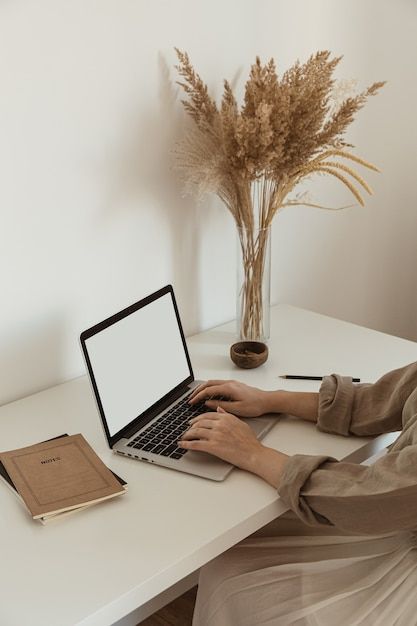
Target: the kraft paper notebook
(60, 475)
(57, 516)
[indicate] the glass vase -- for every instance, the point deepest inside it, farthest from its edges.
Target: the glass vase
(253, 283)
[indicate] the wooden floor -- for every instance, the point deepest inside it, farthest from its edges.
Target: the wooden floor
(177, 613)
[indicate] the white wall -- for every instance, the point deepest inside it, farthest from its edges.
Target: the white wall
(360, 264)
(92, 216)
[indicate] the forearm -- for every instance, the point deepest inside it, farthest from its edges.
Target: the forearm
(268, 464)
(298, 403)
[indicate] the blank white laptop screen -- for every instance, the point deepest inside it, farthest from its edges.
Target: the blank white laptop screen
(137, 360)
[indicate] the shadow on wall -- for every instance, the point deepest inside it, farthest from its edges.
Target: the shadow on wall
(31, 359)
(143, 177)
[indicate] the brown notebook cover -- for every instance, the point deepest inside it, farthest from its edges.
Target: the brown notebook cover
(59, 475)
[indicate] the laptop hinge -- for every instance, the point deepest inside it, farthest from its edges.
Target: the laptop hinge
(137, 425)
(147, 417)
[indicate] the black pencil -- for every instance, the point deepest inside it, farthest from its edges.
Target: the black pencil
(298, 377)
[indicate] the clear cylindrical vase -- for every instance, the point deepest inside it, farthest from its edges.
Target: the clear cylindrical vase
(253, 283)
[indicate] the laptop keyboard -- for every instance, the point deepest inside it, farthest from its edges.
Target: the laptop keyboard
(162, 436)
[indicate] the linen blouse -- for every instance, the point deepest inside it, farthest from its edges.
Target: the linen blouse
(360, 499)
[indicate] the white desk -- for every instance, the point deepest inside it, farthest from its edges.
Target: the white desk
(96, 567)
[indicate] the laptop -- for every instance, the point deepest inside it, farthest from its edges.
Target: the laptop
(141, 375)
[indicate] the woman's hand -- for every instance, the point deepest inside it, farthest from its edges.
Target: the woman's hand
(223, 435)
(248, 401)
(242, 400)
(232, 440)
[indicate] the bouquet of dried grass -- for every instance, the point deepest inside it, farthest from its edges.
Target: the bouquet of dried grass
(253, 157)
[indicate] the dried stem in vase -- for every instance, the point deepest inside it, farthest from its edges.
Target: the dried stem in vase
(287, 129)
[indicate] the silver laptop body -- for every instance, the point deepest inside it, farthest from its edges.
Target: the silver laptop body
(140, 371)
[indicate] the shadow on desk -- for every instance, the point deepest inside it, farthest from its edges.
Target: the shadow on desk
(223, 337)
(211, 362)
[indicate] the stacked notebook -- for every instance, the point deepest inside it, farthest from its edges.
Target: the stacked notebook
(58, 477)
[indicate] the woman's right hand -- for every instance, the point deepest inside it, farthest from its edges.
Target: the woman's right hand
(240, 399)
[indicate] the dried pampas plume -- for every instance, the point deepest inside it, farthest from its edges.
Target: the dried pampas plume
(287, 128)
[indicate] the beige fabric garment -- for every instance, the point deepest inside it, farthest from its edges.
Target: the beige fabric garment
(346, 554)
(282, 576)
(370, 500)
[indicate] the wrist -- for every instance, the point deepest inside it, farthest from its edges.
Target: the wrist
(273, 401)
(268, 464)
(298, 403)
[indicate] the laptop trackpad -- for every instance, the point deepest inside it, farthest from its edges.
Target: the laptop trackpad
(261, 425)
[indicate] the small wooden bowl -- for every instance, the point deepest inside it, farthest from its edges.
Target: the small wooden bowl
(249, 354)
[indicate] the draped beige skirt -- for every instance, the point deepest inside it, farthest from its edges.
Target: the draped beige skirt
(288, 573)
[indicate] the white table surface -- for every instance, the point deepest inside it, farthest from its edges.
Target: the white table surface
(97, 566)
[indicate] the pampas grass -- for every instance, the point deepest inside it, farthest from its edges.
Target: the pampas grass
(253, 157)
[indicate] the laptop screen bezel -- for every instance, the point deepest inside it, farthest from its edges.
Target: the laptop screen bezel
(167, 399)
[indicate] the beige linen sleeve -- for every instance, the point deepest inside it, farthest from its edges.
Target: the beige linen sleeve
(355, 498)
(367, 409)
(374, 499)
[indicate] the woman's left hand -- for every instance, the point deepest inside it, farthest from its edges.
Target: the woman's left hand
(232, 440)
(225, 436)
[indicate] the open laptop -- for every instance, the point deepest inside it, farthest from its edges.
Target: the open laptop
(141, 375)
